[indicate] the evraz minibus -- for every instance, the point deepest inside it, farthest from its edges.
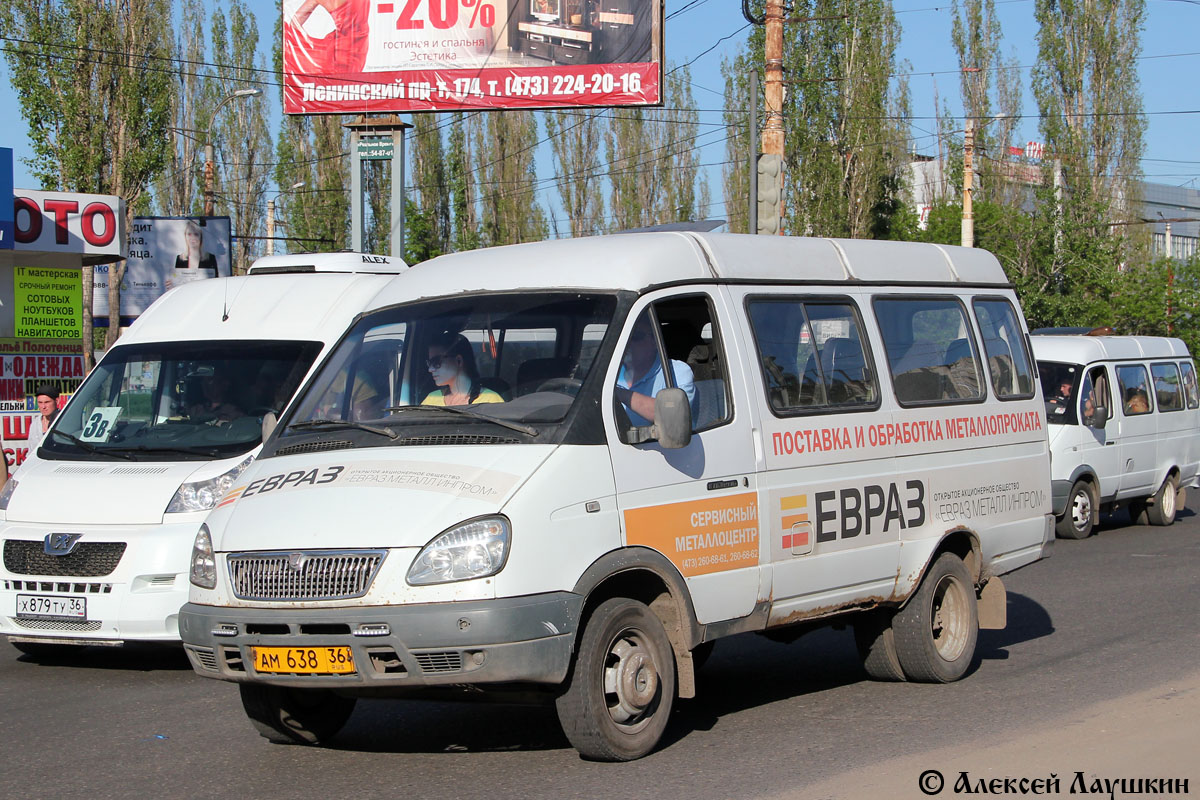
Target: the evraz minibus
(714, 434)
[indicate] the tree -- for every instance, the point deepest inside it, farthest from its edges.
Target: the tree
(1085, 83)
(429, 183)
(735, 173)
(504, 158)
(177, 190)
(242, 140)
(575, 138)
(463, 209)
(845, 147)
(991, 95)
(98, 108)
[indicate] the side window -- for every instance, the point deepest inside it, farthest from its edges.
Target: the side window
(812, 355)
(1004, 345)
(1135, 391)
(1094, 396)
(1189, 385)
(930, 350)
(1167, 391)
(685, 330)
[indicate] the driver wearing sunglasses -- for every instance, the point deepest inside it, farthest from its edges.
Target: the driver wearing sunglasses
(451, 364)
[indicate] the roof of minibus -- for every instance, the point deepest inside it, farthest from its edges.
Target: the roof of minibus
(307, 307)
(1086, 349)
(637, 261)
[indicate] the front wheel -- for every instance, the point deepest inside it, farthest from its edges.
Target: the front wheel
(1165, 506)
(1076, 522)
(295, 716)
(621, 689)
(937, 631)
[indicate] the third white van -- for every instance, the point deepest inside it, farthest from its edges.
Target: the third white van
(1124, 426)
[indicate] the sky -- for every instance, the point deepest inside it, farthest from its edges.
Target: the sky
(700, 32)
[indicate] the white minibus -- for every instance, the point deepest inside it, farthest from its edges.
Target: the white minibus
(592, 458)
(1124, 426)
(97, 524)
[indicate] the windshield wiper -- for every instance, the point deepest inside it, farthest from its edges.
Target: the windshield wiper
(211, 452)
(89, 447)
(512, 426)
(337, 423)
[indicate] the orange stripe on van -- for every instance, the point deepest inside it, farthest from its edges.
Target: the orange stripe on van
(793, 502)
(788, 522)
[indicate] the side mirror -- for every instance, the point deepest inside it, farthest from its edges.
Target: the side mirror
(268, 424)
(1098, 418)
(672, 419)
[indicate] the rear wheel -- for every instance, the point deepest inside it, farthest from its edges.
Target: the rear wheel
(621, 689)
(295, 716)
(876, 643)
(937, 630)
(1164, 507)
(1076, 522)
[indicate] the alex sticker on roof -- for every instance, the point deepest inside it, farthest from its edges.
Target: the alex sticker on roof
(372, 56)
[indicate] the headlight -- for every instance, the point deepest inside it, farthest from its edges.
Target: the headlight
(203, 495)
(204, 562)
(474, 549)
(7, 492)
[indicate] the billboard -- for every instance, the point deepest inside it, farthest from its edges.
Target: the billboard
(64, 223)
(381, 56)
(165, 252)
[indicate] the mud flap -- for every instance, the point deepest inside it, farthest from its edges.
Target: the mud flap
(993, 605)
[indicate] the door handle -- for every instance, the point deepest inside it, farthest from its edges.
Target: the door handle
(727, 484)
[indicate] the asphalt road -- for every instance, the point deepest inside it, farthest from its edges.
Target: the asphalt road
(1109, 620)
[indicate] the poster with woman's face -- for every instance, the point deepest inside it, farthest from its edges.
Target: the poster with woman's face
(165, 252)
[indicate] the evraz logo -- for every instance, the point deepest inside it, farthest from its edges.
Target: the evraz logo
(61, 544)
(797, 528)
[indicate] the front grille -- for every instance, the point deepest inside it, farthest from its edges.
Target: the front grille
(443, 661)
(451, 439)
(314, 575)
(312, 447)
(88, 559)
(55, 624)
(60, 586)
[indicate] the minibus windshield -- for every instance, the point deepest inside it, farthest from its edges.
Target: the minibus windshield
(1060, 385)
(514, 361)
(179, 401)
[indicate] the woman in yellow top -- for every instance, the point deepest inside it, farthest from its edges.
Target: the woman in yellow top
(452, 366)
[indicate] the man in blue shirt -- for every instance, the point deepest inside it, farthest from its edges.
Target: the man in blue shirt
(641, 376)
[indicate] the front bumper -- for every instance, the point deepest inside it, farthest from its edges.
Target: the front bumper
(508, 640)
(135, 599)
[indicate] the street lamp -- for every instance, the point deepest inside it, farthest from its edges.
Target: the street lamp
(271, 223)
(208, 147)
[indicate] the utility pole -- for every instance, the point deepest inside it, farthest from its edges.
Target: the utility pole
(771, 167)
(968, 212)
(271, 227)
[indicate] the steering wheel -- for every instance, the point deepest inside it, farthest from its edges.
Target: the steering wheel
(569, 386)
